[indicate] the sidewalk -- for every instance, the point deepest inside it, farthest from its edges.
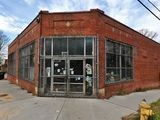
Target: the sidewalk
(24, 106)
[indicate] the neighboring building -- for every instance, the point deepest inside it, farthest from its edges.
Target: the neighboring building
(3, 66)
(82, 54)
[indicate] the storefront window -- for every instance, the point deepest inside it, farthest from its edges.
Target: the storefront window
(12, 63)
(76, 46)
(59, 46)
(26, 62)
(48, 43)
(119, 63)
(89, 45)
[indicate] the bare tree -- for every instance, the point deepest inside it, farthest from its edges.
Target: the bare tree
(4, 40)
(148, 33)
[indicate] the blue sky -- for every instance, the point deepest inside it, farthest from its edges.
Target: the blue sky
(15, 15)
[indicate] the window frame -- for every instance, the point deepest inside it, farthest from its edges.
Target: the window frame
(25, 54)
(12, 64)
(120, 64)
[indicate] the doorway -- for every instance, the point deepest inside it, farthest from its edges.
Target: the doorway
(67, 66)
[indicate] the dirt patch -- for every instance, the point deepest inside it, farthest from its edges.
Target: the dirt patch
(5, 97)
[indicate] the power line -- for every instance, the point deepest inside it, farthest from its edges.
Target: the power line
(149, 10)
(154, 5)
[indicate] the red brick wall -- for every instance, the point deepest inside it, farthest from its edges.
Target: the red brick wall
(95, 23)
(146, 57)
(30, 34)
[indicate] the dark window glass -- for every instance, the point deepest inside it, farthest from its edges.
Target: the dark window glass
(76, 80)
(41, 67)
(59, 87)
(129, 73)
(116, 70)
(123, 61)
(76, 88)
(111, 60)
(48, 67)
(117, 48)
(12, 64)
(89, 46)
(26, 62)
(47, 85)
(123, 49)
(42, 46)
(59, 46)
(128, 61)
(76, 46)
(110, 47)
(60, 79)
(48, 44)
(123, 71)
(113, 74)
(59, 67)
(76, 67)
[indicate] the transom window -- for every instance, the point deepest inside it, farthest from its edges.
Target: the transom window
(72, 46)
(119, 62)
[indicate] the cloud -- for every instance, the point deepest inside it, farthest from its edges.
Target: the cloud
(68, 5)
(11, 24)
(29, 2)
(128, 12)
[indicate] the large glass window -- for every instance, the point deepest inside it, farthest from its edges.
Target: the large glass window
(119, 62)
(12, 63)
(89, 46)
(59, 46)
(48, 44)
(76, 46)
(26, 62)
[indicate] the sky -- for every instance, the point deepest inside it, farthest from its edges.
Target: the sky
(15, 15)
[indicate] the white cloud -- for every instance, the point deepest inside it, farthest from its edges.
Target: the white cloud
(11, 24)
(68, 5)
(128, 12)
(29, 2)
(134, 15)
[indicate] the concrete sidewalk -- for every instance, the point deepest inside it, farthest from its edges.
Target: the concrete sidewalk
(24, 106)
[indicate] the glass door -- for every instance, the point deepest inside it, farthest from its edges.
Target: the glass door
(59, 76)
(76, 76)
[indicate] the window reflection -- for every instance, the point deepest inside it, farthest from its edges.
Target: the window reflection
(59, 46)
(119, 61)
(48, 43)
(76, 46)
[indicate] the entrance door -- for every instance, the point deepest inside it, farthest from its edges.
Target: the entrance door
(76, 76)
(68, 77)
(68, 66)
(60, 77)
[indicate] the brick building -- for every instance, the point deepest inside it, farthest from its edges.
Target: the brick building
(84, 53)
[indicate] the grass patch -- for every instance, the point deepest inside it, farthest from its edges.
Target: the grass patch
(156, 109)
(155, 106)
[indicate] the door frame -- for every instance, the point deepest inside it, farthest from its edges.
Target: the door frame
(94, 57)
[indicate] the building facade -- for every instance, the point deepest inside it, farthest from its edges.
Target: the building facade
(82, 54)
